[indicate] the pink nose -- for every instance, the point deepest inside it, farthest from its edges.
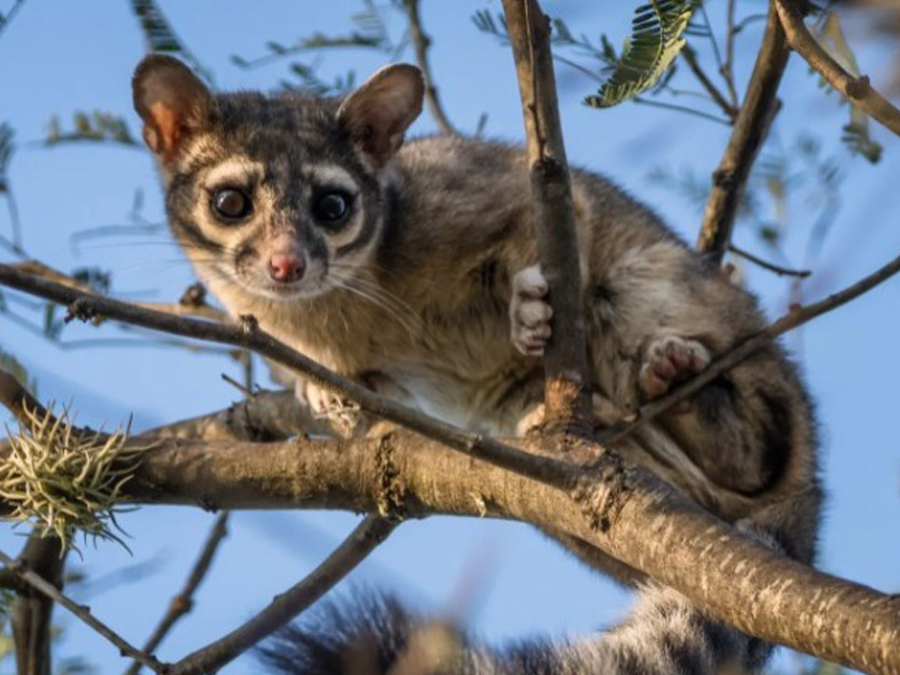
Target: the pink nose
(286, 267)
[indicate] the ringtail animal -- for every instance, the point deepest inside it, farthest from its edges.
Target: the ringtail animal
(412, 267)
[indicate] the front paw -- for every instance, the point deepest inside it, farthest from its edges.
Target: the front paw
(319, 400)
(669, 360)
(529, 312)
(341, 415)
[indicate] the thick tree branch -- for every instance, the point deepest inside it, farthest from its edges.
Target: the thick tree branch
(264, 416)
(567, 397)
(224, 480)
(183, 603)
(750, 130)
(421, 42)
(623, 511)
(285, 607)
(857, 90)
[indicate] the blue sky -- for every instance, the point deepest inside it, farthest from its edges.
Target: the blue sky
(58, 57)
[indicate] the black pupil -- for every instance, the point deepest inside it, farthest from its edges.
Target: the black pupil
(331, 206)
(232, 203)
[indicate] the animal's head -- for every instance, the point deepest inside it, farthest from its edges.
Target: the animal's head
(282, 195)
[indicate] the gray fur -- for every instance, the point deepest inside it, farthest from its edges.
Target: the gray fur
(411, 294)
(666, 635)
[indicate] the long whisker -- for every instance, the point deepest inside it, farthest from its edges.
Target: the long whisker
(379, 289)
(387, 296)
(378, 301)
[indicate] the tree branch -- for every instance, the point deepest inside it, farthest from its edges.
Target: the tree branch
(622, 510)
(192, 303)
(690, 58)
(285, 607)
(182, 603)
(421, 42)
(238, 481)
(50, 591)
(765, 264)
(567, 397)
(750, 130)
(15, 398)
(265, 416)
(31, 611)
(87, 306)
(857, 90)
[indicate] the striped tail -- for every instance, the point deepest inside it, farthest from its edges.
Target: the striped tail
(374, 635)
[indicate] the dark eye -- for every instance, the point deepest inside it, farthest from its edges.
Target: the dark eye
(231, 204)
(331, 207)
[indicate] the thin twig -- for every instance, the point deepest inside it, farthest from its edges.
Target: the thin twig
(681, 108)
(83, 613)
(182, 603)
(285, 607)
(10, 15)
(15, 221)
(750, 130)
(857, 90)
(421, 42)
(717, 54)
(567, 398)
(765, 264)
(795, 317)
(187, 305)
(727, 67)
(244, 389)
(690, 58)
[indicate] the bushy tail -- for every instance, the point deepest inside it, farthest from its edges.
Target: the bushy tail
(666, 635)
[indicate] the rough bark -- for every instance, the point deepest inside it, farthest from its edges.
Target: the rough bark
(623, 511)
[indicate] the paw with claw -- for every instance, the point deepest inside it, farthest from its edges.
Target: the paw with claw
(669, 360)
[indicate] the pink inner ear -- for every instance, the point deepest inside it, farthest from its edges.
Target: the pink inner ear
(166, 121)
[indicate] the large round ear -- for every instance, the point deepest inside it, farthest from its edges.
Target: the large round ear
(379, 112)
(171, 100)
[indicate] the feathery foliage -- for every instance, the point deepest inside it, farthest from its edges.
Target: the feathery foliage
(6, 152)
(856, 134)
(95, 126)
(657, 38)
(371, 31)
(161, 37)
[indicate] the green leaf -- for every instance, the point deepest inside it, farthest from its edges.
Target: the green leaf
(485, 22)
(95, 126)
(161, 37)
(856, 136)
(656, 39)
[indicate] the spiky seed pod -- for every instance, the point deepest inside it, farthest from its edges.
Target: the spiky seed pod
(64, 479)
